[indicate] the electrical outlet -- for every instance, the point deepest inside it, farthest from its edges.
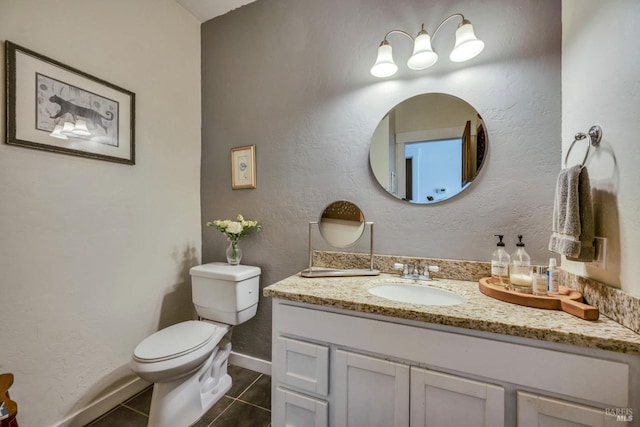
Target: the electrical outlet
(600, 256)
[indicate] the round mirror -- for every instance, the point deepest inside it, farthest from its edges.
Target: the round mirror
(428, 148)
(341, 224)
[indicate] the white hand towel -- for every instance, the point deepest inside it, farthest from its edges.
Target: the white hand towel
(573, 226)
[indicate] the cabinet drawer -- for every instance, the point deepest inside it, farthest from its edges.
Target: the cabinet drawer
(295, 410)
(303, 365)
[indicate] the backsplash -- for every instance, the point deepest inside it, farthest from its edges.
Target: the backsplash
(450, 269)
(613, 303)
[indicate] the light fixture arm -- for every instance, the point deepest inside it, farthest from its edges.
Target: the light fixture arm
(445, 20)
(404, 33)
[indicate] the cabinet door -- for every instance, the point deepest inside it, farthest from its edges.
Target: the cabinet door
(445, 400)
(539, 411)
(296, 410)
(370, 392)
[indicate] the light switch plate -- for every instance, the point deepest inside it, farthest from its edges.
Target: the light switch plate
(600, 256)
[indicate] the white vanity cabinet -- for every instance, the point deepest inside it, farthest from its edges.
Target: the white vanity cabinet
(344, 368)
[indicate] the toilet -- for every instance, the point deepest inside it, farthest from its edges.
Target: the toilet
(187, 362)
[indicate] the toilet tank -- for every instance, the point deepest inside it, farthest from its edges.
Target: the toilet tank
(225, 293)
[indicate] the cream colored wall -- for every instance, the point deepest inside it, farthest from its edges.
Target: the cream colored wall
(601, 85)
(94, 255)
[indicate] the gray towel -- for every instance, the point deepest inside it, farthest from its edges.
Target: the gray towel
(573, 227)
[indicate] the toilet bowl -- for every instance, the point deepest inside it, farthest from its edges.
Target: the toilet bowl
(184, 360)
(187, 362)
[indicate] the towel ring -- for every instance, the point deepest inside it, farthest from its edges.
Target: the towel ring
(593, 138)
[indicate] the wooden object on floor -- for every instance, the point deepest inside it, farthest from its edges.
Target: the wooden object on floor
(6, 380)
(568, 300)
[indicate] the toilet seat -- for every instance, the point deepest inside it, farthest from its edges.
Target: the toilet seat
(176, 341)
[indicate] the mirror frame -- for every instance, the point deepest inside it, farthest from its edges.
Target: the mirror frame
(340, 213)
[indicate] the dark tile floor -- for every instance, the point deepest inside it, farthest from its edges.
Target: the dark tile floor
(246, 404)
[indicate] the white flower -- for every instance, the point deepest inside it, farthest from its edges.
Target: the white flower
(234, 227)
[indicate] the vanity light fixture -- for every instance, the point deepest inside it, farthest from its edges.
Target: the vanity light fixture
(467, 46)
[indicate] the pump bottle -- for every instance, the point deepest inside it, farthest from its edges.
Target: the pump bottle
(520, 272)
(500, 264)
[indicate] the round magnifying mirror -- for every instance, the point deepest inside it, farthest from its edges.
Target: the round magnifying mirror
(341, 224)
(428, 148)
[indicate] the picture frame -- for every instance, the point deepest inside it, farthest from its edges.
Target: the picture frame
(243, 167)
(54, 107)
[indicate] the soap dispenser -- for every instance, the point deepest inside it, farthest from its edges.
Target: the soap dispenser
(500, 264)
(520, 271)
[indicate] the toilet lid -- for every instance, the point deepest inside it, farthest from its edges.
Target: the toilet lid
(175, 341)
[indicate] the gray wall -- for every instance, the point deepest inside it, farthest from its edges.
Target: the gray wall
(292, 77)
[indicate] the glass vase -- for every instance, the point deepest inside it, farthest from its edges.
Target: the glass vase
(234, 253)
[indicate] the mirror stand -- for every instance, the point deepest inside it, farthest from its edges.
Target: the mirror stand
(310, 272)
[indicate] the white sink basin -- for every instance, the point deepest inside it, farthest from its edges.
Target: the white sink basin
(415, 294)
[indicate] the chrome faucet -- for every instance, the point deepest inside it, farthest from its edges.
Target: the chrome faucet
(410, 273)
(415, 273)
(429, 269)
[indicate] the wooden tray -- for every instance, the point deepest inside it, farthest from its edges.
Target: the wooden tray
(568, 300)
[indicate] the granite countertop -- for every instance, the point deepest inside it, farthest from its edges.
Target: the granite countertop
(480, 312)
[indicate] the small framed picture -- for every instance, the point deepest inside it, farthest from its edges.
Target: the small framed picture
(54, 107)
(243, 167)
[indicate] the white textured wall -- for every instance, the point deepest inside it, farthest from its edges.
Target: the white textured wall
(292, 77)
(601, 85)
(94, 255)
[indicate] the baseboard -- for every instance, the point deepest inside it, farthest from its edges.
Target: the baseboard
(104, 404)
(250, 362)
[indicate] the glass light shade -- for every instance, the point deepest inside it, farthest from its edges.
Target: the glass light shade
(467, 44)
(57, 133)
(384, 66)
(80, 128)
(423, 55)
(67, 129)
